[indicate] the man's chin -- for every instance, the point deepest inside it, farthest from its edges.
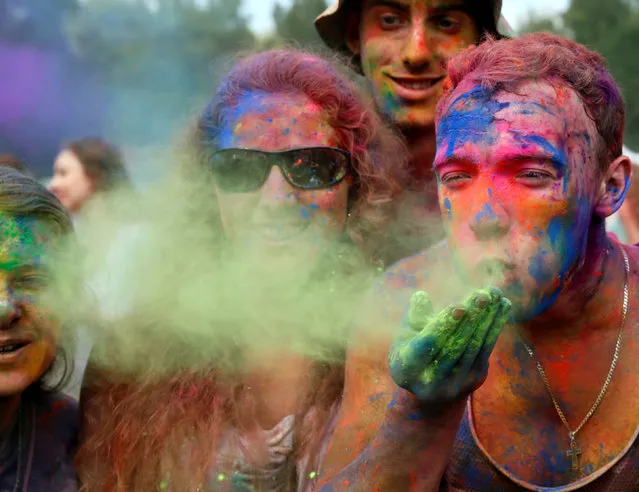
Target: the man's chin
(413, 124)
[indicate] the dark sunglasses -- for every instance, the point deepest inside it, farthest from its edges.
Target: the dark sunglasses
(314, 168)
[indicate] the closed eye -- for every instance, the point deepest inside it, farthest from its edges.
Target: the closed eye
(454, 179)
(535, 177)
(31, 281)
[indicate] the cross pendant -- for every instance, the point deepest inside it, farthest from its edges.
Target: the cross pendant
(573, 453)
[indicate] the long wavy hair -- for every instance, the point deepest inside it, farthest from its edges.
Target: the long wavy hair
(138, 434)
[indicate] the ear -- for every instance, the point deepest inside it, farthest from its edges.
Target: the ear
(351, 37)
(614, 187)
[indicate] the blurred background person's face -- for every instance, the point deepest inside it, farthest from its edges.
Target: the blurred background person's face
(70, 182)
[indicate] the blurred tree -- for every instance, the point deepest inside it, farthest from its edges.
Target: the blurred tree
(612, 29)
(158, 58)
(46, 94)
(295, 24)
(34, 21)
(537, 23)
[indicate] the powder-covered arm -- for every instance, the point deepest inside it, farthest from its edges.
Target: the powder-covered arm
(437, 360)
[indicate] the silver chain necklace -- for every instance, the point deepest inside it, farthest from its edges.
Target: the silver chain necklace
(575, 451)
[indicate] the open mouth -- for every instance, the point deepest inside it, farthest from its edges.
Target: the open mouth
(12, 348)
(417, 84)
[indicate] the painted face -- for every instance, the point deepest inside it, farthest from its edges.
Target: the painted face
(70, 182)
(517, 187)
(288, 225)
(404, 47)
(27, 333)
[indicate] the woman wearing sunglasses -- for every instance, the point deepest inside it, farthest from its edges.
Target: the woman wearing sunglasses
(303, 175)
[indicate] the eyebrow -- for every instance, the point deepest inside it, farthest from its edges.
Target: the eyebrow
(456, 159)
(531, 156)
(437, 9)
(515, 156)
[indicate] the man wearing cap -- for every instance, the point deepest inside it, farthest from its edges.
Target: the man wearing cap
(402, 47)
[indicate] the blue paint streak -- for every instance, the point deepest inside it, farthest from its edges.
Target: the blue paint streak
(253, 102)
(305, 213)
(469, 120)
(558, 156)
(556, 232)
(485, 213)
(537, 105)
(448, 207)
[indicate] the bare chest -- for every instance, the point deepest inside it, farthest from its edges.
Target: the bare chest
(520, 428)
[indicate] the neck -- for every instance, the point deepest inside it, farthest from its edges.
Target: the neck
(8, 413)
(592, 298)
(422, 146)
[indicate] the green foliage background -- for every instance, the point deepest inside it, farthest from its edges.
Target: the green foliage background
(610, 27)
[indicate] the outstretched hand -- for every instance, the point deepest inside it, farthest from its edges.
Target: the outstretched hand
(444, 357)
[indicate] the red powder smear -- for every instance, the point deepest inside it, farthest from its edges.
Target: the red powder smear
(413, 482)
(46, 417)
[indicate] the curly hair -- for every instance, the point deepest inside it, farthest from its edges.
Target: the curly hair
(134, 433)
(504, 64)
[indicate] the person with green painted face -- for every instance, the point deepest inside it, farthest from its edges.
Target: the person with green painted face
(402, 47)
(38, 425)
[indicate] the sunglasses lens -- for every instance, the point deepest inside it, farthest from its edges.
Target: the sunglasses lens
(238, 170)
(315, 169)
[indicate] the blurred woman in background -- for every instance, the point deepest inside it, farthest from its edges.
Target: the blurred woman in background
(299, 176)
(85, 168)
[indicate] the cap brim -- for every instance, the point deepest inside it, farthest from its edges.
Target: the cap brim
(331, 26)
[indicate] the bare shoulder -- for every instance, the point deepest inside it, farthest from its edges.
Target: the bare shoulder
(383, 308)
(368, 387)
(389, 297)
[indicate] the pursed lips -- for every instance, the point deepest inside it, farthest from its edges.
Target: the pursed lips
(493, 271)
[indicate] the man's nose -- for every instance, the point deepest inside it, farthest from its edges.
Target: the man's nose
(417, 53)
(490, 221)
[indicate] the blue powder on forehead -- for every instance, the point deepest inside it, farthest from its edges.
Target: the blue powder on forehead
(468, 119)
(254, 102)
(557, 154)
